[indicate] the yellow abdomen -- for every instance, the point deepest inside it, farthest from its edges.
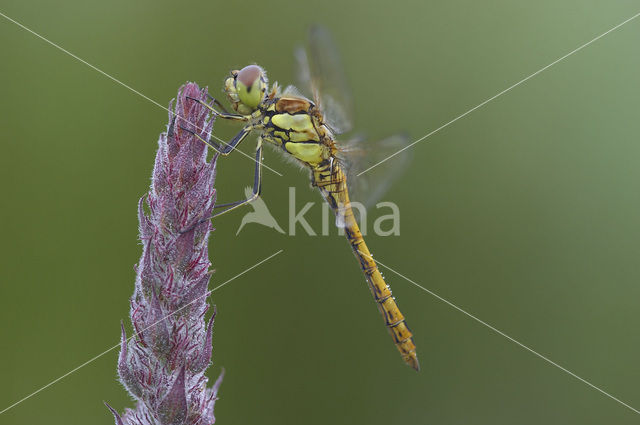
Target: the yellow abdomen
(332, 182)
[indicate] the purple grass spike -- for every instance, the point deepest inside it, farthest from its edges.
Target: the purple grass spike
(163, 365)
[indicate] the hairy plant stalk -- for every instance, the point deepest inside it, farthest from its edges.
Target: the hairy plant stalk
(163, 364)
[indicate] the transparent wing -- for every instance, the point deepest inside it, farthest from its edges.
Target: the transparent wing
(368, 185)
(320, 73)
(293, 91)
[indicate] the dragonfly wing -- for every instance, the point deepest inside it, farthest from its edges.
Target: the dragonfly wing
(293, 91)
(320, 73)
(302, 72)
(368, 185)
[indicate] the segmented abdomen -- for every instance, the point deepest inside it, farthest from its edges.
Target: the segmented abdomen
(331, 181)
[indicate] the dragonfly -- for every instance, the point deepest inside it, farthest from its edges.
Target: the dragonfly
(306, 130)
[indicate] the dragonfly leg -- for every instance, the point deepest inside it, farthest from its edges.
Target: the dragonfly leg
(227, 147)
(218, 104)
(257, 188)
(226, 115)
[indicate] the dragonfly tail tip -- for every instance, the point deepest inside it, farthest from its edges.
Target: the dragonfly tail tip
(412, 361)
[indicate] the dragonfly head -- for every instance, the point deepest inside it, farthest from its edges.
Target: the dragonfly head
(246, 88)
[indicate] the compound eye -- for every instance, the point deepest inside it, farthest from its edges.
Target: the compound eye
(248, 75)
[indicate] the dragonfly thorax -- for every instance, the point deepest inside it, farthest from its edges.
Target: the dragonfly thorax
(246, 88)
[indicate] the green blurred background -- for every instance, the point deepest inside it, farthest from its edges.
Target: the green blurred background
(524, 213)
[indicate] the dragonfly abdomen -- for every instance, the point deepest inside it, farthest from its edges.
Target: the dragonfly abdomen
(393, 317)
(331, 181)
